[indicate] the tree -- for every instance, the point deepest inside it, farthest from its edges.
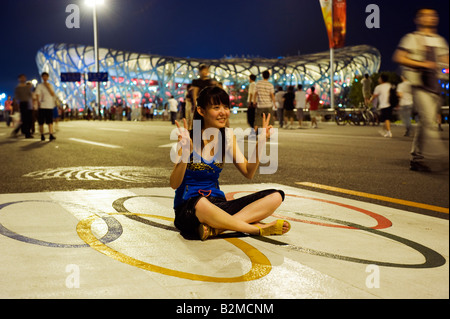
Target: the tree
(356, 96)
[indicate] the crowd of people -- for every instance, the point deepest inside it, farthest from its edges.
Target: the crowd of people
(290, 106)
(262, 100)
(30, 105)
(420, 54)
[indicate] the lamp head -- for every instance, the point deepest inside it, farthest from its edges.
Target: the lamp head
(93, 3)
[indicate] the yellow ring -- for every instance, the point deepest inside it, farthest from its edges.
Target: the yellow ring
(261, 265)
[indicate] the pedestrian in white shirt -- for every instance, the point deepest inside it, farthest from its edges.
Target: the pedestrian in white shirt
(422, 54)
(173, 108)
(279, 100)
(300, 104)
(382, 92)
(45, 95)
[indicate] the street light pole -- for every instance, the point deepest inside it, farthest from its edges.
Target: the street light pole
(97, 63)
(94, 4)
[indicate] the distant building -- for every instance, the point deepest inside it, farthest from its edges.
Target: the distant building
(136, 78)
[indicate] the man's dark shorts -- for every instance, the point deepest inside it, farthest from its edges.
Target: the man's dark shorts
(45, 116)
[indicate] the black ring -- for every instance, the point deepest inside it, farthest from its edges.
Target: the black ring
(432, 258)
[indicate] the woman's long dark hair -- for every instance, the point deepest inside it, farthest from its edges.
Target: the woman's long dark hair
(209, 96)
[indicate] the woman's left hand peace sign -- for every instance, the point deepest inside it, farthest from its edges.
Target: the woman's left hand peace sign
(267, 129)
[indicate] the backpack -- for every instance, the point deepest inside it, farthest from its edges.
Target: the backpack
(394, 100)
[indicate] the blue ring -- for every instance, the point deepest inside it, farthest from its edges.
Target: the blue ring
(115, 230)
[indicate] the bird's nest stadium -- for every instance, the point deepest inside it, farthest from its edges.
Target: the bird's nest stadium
(144, 78)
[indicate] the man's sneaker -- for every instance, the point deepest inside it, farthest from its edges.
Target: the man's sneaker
(52, 137)
(42, 137)
(388, 134)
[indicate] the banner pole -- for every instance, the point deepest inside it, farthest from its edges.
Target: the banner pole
(332, 58)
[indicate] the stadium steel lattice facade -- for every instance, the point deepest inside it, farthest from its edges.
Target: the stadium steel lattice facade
(144, 78)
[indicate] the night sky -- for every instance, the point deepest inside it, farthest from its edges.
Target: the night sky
(198, 28)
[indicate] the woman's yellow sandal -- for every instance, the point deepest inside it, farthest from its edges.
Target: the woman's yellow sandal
(276, 229)
(205, 231)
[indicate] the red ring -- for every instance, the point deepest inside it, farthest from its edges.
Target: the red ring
(382, 222)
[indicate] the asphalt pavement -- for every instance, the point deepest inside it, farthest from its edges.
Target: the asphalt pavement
(117, 155)
(90, 215)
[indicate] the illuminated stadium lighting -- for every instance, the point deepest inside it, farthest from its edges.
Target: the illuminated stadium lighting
(133, 75)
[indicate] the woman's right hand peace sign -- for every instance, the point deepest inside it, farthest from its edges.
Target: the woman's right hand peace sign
(184, 138)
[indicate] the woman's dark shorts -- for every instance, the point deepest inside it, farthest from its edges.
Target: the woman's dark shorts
(187, 222)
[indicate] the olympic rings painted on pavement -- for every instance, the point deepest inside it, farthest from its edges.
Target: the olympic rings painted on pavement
(432, 258)
(119, 206)
(261, 265)
(382, 222)
(114, 230)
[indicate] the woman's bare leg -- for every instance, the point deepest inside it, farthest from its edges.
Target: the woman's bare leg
(213, 216)
(260, 209)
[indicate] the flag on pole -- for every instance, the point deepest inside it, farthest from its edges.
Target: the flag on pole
(335, 17)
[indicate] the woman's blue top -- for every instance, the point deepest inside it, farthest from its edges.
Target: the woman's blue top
(200, 179)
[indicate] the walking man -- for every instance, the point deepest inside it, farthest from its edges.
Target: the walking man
(8, 111)
(421, 54)
(46, 102)
(251, 101)
(382, 92)
(300, 104)
(313, 100)
(173, 108)
(199, 84)
(265, 94)
(279, 100)
(23, 95)
(366, 89)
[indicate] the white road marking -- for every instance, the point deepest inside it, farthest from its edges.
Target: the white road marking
(30, 140)
(168, 145)
(95, 143)
(113, 129)
(130, 174)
